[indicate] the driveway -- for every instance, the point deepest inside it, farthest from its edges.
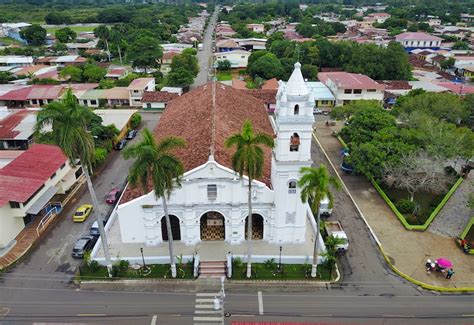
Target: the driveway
(204, 56)
(49, 264)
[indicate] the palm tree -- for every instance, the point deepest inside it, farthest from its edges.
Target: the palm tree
(68, 121)
(249, 159)
(331, 250)
(156, 163)
(315, 184)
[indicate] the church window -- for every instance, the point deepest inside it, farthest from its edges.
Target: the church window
(292, 187)
(297, 109)
(211, 192)
(294, 142)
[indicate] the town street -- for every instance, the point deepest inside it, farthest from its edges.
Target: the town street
(206, 53)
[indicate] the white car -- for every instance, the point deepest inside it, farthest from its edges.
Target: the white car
(317, 111)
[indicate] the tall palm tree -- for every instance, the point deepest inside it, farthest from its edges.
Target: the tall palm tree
(155, 162)
(315, 184)
(68, 121)
(331, 250)
(249, 159)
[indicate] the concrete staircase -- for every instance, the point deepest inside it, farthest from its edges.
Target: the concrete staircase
(212, 269)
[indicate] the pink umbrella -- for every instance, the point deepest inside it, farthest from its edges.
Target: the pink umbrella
(444, 262)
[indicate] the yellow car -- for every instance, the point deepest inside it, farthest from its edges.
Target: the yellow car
(82, 213)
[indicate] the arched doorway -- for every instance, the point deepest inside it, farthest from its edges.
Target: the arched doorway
(212, 226)
(175, 228)
(257, 227)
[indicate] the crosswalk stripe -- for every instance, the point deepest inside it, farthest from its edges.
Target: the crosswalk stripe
(207, 319)
(204, 300)
(206, 294)
(205, 306)
(208, 312)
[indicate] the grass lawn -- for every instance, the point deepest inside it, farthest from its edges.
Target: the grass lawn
(77, 29)
(427, 201)
(9, 41)
(224, 76)
(261, 271)
(157, 271)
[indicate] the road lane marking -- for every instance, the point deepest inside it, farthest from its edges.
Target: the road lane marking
(260, 303)
(153, 320)
(91, 315)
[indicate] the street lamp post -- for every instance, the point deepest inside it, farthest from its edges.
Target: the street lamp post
(143, 258)
(279, 263)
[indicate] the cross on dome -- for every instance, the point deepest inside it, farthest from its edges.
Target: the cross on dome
(296, 85)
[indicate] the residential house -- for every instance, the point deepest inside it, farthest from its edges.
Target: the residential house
(175, 47)
(227, 45)
(347, 87)
(15, 60)
(467, 18)
(174, 90)
(137, 87)
(457, 88)
(256, 28)
(116, 73)
(157, 100)
(468, 72)
(33, 95)
(379, 17)
(165, 62)
(251, 44)
(62, 60)
(116, 96)
(118, 117)
(323, 98)
(75, 47)
(27, 186)
(417, 40)
(433, 22)
(237, 58)
(17, 128)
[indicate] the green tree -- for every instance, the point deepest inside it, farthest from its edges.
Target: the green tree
(460, 45)
(447, 63)
(268, 66)
(224, 65)
(74, 73)
(6, 77)
(156, 163)
(93, 73)
(331, 250)
(68, 121)
(103, 32)
(34, 35)
(57, 18)
(315, 184)
(185, 61)
(309, 71)
(145, 53)
(248, 159)
(180, 77)
(65, 35)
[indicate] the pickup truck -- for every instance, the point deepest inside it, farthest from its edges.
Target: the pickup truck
(335, 229)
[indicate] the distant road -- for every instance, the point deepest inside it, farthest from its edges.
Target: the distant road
(206, 53)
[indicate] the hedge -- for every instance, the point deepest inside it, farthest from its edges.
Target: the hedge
(433, 214)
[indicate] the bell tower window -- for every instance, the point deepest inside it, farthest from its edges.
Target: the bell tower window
(294, 142)
(296, 110)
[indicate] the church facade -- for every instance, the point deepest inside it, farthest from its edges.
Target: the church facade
(212, 202)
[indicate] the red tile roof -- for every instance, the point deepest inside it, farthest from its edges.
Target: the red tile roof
(395, 84)
(239, 84)
(20, 94)
(8, 124)
(158, 97)
(271, 84)
(190, 117)
(169, 55)
(457, 88)
(347, 80)
(25, 175)
(267, 95)
(418, 36)
(34, 92)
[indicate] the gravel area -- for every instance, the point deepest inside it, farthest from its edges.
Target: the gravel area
(454, 216)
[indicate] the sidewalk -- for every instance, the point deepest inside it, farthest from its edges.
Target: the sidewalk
(407, 250)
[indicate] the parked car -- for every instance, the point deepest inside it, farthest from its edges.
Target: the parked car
(326, 112)
(82, 213)
(94, 231)
(121, 144)
(317, 111)
(334, 228)
(82, 245)
(132, 134)
(113, 196)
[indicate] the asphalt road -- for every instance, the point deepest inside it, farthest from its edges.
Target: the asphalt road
(52, 257)
(206, 53)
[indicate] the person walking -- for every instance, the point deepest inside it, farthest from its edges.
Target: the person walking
(449, 274)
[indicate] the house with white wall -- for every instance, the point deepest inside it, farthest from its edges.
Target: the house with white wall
(137, 88)
(347, 87)
(256, 28)
(27, 185)
(418, 40)
(157, 100)
(237, 58)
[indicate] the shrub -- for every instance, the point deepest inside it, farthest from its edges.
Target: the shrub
(237, 262)
(135, 120)
(94, 266)
(99, 156)
(270, 264)
(405, 206)
(102, 102)
(120, 268)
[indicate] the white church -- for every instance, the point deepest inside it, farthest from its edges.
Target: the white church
(209, 211)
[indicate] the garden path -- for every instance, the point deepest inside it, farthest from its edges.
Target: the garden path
(455, 215)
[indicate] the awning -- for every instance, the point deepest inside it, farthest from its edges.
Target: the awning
(42, 200)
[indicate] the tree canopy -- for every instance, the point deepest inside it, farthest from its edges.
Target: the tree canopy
(34, 35)
(145, 53)
(65, 35)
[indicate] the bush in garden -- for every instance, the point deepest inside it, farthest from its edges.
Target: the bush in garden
(135, 120)
(405, 206)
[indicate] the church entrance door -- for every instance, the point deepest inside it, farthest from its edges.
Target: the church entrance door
(212, 226)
